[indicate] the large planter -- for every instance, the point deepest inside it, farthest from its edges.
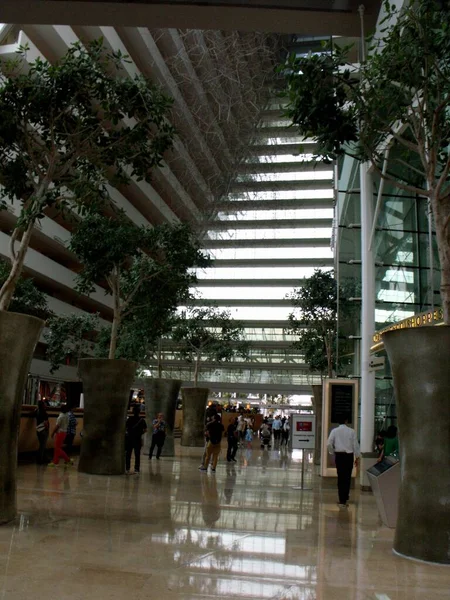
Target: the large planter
(106, 389)
(317, 405)
(194, 407)
(161, 395)
(18, 337)
(420, 362)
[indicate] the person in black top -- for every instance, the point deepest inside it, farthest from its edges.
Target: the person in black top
(42, 427)
(134, 430)
(232, 437)
(214, 431)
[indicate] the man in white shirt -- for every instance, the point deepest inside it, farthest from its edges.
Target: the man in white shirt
(343, 444)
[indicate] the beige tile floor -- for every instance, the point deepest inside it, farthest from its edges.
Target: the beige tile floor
(177, 534)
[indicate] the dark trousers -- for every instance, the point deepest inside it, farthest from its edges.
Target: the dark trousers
(344, 467)
(130, 445)
(42, 452)
(232, 448)
(158, 441)
(277, 435)
(284, 437)
(68, 442)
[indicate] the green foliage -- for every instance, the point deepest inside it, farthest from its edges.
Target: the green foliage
(314, 320)
(398, 100)
(68, 129)
(405, 80)
(27, 299)
(209, 334)
(147, 270)
(69, 337)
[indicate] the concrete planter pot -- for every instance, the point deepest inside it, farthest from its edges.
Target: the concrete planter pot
(420, 362)
(106, 388)
(19, 335)
(161, 395)
(194, 407)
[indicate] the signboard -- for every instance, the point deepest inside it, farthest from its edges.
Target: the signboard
(377, 363)
(430, 317)
(303, 432)
(340, 400)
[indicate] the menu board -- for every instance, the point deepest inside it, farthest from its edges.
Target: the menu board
(341, 402)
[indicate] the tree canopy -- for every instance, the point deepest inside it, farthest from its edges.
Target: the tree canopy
(208, 334)
(147, 270)
(67, 130)
(398, 100)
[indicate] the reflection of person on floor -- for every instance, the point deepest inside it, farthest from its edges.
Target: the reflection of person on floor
(232, 438)
(134, 430)
(210, 501)
(59, 434)
(215, 431)
(230, 482)
(343, 444)
(42, 426)
(159, 435)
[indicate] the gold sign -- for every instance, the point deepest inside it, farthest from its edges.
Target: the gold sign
(430, 317)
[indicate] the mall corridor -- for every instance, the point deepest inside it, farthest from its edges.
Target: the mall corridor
(177, 534)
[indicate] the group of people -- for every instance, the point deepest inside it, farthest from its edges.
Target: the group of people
(240, 433)
(135, 428)
(63, 433)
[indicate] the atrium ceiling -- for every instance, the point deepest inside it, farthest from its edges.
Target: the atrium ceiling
(237, 171)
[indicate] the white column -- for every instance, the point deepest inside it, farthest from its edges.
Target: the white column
(367, 311)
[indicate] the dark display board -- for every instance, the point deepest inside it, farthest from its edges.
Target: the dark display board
(341, 402)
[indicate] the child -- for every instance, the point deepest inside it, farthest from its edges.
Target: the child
(265, 436)
(249, 438)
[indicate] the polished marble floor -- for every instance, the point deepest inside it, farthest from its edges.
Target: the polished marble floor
(177, 534)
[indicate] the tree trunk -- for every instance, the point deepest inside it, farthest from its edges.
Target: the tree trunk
(114, 334)
(196, 370)
(17, 262)
(160, 369)
(441, 212)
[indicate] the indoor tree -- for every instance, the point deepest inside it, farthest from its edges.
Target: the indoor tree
(69, 337)
(27, 298)
(146, 270)
(399, 102)
(208, 334)
(314, 321)
(66, 130)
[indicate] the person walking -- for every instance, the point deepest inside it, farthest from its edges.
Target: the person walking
(276, 428)
(285, 432)
(343, 444)
(249, 438)
(232, 440)
(135, 428)
(71, 431)
(59, 433)
(241, 428)
(215, 431)
(42, 427)
(158, 436)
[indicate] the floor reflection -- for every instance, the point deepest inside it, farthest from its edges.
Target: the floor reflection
(242, 533)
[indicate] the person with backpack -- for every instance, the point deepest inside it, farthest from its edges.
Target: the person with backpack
(215, 431)
(135, 428)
